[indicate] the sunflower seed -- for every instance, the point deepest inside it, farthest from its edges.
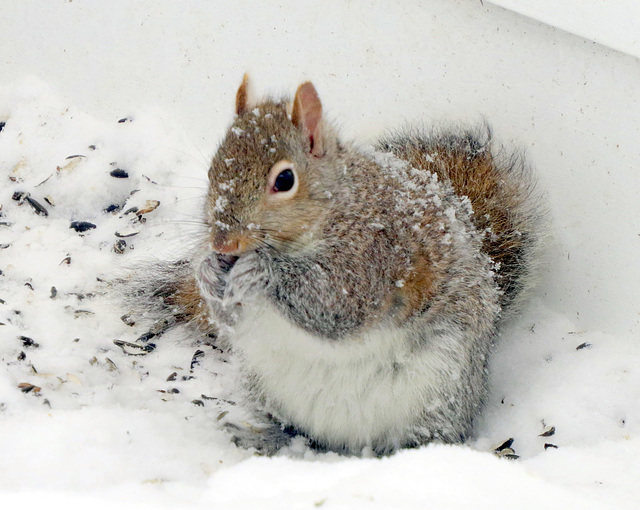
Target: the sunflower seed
(127, 232)
(128, 319)
(19, 196)
(28, 342)
(216, 399)
(132, 349)
(37, 206)
(113, 208)
(150, 205)
(28, 388)
(145, 337)
(548, 432)
(111, 366)
(195, 359)
(74, 379)
(503, 445)
(120, 246)
(82, 313)
(133, 209)
(119, 173)
(81, 226)
(73, 161)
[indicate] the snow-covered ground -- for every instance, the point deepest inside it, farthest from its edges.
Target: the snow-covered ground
(147, 87)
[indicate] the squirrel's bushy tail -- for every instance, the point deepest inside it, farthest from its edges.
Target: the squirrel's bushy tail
(507, 210)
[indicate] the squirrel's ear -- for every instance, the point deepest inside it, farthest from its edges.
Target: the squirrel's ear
(242, 96)
(307, 116)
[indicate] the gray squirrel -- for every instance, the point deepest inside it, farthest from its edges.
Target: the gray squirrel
(360, 291)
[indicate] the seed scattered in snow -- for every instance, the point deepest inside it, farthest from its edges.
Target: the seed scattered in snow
(150, 205)
(503, 445)
(73, 162)
(132, 349)
(28, 388)
(82, 226)
(127, 232)
(548, 431)
(119, 173)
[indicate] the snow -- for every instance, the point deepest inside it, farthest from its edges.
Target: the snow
(109, 429)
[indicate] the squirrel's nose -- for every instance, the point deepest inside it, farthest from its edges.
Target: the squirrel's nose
(229, 246)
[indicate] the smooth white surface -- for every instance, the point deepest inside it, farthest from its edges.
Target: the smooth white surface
(613, 23)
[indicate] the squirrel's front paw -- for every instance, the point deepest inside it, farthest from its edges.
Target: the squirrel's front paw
(246, 279)
(213, 273)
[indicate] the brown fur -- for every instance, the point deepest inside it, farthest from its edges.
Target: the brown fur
(498, 203)
(419, 285)
(188, 303)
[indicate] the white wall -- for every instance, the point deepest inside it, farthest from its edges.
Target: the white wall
(614, 23)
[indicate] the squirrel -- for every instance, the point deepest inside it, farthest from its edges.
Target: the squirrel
(359, 290)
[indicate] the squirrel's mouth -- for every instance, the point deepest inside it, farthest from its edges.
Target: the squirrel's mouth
(227, 261)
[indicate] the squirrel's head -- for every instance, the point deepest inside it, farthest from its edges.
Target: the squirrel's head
(271, 180)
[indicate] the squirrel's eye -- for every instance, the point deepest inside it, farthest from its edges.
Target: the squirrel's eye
(284, 181)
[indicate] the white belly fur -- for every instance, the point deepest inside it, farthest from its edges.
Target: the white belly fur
(353, 392)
